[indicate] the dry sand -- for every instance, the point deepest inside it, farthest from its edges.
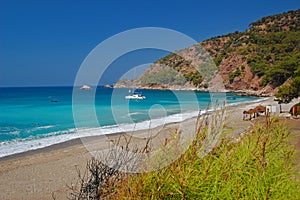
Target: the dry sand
(39, 174)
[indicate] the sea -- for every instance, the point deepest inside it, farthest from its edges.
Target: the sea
(37, 117)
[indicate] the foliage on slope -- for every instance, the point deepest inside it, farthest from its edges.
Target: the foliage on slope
(270, 48)
(266, 54)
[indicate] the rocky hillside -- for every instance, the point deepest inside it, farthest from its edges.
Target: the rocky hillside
(257, 60)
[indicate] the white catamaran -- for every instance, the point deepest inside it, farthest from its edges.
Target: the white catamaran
(136, 95)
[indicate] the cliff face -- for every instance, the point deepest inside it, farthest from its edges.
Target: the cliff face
(257, 60)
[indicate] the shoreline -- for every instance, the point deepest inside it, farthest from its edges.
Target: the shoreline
(41, 173)
(78, 140)
(249, 93)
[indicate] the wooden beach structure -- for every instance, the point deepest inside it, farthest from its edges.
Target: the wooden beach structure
(254, 112)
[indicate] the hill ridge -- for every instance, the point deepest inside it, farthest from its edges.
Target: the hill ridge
(258, 60)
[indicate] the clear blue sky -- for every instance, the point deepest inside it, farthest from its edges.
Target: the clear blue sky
(43, 43)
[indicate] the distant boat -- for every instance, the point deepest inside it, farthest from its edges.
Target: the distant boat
(231, 98)
(54, 100)
(137, 95)
(85, 87)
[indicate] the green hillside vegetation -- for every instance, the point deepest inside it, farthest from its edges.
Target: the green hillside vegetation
(183, 70)
(270, 47)
(165, 76)
(177, 71)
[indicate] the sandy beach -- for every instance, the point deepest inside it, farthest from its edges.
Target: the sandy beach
(45, 173)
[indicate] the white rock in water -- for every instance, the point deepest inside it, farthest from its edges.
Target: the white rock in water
(85, 87)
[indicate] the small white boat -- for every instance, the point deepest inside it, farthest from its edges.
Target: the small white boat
(137, 95)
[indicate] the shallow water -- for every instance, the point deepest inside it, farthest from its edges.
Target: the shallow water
(32, 118)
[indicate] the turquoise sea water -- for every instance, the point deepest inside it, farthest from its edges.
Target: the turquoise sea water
(32, 118)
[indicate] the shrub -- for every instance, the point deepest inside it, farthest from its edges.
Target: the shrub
(288, 92)
(234, 74)
(194, 77)
(218, 60)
